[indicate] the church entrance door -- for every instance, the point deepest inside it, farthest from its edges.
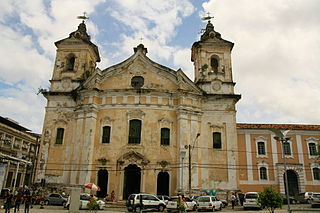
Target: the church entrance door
(102, 183)
(292, 183)
(163, 183)
(132, 180)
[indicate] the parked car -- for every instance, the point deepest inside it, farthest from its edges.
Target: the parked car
(315, 200)
(84, 200)
(308, 196)
(136, 202)
(194, 197)
(164, 198)
(172, 205)
(292, 200)
(56, 199)
(208, 203)
(251, 200)
(224, 202)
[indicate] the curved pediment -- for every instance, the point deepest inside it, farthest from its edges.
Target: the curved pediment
(133, 157)
(154, 76)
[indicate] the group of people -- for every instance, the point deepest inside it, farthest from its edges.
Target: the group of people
(14, 200)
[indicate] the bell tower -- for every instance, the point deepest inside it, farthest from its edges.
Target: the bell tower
(75, 61)
(212, 62)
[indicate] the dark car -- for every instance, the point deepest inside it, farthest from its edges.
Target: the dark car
(56, 199)
(292, 200)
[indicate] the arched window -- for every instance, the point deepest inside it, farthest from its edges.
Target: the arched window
(59, 137)
(70, 62)
(312, 149)
(165, 136)
(134, 131)
(214, 64)
(316, 173)
(261, 148)
(263, 173)
(106, 134)
(216, 137)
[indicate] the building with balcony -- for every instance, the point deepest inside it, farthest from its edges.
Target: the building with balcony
(18, 154)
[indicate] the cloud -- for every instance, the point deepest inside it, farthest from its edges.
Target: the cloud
(274, 58)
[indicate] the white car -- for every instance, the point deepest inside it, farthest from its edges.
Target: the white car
(172, 204)
(251, 200)
(315, 200)
(84, 200)
(209, 203)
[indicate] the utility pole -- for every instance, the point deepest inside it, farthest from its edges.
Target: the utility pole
(190, 147)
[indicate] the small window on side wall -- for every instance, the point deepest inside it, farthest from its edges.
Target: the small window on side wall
(60, 133)
(106, 134)
(312, 149)
(263, 173)
(165, 136)
(216, 136)
(261, 148)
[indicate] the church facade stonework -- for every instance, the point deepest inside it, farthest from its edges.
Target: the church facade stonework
(138, 126)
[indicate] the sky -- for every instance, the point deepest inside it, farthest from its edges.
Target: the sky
(275, 58)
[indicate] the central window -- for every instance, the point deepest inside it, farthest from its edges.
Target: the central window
(134, 131)
(60, 133)
(286, 148)
(216, 137)
(165, 136)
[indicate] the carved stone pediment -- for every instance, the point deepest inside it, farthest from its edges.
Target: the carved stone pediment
(137, 68)
(136, 114)
(133, 157)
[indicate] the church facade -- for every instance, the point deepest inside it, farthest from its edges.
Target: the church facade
(139, 126)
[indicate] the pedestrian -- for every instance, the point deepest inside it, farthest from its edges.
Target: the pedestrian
(233, 200)
(27, 203)
(17, 201)
(112, 195)
(8, 202)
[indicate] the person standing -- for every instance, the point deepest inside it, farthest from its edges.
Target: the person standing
(27, 203)
(233, 200)
(8, 202)
(112, 195)
(18, 199)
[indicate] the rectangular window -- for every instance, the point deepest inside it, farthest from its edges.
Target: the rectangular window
(261, 148)
(263, 173)
(134, 131)
(286, 148)
(165, 136)
(106, 134)
(312, 149)
(216, 136)
(316, 173)
(59, 138)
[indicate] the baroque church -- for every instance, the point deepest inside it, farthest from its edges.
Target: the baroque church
(139, 126)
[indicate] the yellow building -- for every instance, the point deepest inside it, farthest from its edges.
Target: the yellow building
(138, 126)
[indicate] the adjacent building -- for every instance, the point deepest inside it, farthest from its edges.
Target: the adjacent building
(140, 126)
(18, 154)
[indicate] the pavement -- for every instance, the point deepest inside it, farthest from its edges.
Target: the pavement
(59, 209)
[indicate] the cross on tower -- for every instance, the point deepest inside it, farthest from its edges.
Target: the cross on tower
(141, 40)
(207, 17)
(84, 17)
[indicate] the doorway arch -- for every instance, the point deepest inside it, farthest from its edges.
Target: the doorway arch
(293, 183)
(163, 183)
(103, 177)
(132, 180)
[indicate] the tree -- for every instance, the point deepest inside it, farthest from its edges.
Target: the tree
(270, 199)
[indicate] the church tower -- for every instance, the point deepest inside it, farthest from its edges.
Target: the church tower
(76, 60)
(212, 62)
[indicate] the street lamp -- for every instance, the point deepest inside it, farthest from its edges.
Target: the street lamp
(182, 155)
(281, 136)
(189, 167)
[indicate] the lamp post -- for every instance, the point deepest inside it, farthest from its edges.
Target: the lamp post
(182, 155)
(281, 136)
(189, 166)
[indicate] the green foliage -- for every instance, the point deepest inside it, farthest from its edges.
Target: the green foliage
(93, 204)
(270, 199)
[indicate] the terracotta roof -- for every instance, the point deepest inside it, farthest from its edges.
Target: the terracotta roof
(278, 126)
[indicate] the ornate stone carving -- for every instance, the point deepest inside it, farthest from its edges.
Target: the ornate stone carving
(137, 113)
